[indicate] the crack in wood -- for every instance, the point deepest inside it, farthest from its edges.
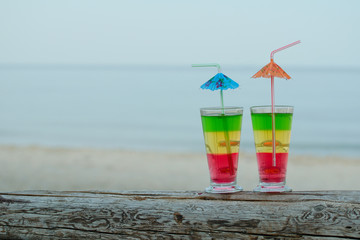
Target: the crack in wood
(178, 217)
(12, 201)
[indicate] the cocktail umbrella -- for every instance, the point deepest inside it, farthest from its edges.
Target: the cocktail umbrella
(273, 70)
(220, 82)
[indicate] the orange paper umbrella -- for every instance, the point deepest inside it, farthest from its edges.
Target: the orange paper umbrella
(273, 70)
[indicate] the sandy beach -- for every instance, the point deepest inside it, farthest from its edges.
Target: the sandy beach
(40, 168)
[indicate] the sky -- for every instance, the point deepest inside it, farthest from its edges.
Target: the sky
(179, 32)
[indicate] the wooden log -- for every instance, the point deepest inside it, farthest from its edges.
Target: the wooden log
(179, 215)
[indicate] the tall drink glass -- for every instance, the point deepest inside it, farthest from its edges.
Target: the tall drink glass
(222, 129)
(272, 173)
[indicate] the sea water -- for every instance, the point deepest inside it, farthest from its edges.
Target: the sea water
(157, 107)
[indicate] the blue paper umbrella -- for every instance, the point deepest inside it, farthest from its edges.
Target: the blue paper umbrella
(220, 82)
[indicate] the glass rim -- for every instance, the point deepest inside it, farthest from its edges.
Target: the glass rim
(267, 109)
(215, 111)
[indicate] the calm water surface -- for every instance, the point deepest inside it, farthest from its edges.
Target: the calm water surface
(157, 108)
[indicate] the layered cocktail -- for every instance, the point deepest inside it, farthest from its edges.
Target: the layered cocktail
(222, 130)
(272, 156)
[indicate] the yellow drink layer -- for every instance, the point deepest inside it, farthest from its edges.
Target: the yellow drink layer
(263, 141)
(215, 142)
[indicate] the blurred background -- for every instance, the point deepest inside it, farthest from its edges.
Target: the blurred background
(117, 74)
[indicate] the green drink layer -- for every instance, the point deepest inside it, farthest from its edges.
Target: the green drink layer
(221, 123)
(262, 121)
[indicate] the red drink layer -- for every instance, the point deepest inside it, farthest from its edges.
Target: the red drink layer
(220, 172)
(268, 172)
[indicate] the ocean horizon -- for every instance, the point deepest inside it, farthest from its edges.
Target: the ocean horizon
(156, 107)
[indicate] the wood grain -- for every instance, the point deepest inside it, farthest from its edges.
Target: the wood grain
(179, 215)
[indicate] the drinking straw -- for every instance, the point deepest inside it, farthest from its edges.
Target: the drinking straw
(208, 65)
(282, 48)
(273, 100)
(227, 139)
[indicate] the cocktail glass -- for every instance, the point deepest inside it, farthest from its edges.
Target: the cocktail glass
(222, 130)
(272, 172)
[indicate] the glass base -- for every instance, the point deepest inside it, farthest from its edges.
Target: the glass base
(272, 187)
(223, 188)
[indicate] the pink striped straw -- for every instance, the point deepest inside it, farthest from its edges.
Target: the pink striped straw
(273, 101)
(282, 48)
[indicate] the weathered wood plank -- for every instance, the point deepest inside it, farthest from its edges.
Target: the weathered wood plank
(179, 215)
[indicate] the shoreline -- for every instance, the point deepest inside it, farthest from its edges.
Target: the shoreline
(59, 168)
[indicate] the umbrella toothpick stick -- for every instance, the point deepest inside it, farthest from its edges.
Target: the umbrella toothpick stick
(273, 100)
